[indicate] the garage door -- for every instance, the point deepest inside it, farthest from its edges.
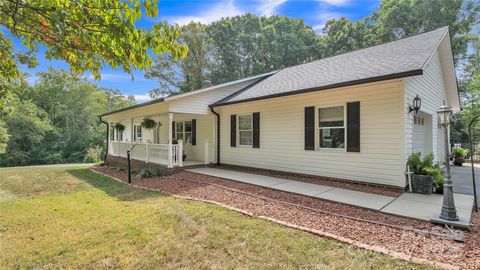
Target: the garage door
(419, 135)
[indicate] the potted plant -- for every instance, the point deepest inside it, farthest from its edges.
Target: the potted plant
(458, 155)
(148, 123)
(119, 127)
(425, 174)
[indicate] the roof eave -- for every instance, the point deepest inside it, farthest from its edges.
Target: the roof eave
(134, 107)
(410, 73)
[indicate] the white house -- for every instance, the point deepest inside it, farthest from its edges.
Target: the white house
(345, 117)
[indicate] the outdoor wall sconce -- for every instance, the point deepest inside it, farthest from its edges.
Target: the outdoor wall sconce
(417, 103)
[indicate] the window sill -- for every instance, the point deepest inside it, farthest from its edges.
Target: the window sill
(335, 150)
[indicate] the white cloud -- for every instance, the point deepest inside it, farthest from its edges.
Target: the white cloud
(323, 17)
(117, 77)
(31, 79)
(269, 7)
(335, 2)
(141, 98)
(211, 14)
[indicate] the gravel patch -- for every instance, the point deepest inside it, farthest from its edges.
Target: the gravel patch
(389, 234)
(337, 183)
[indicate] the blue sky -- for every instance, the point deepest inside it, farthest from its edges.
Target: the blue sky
(314, 12)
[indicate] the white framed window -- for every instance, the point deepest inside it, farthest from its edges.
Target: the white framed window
(119, 135)
(245, 129)
(331, 127)
(112, 133)
(183, 131)
(137, 132)
(418, 120)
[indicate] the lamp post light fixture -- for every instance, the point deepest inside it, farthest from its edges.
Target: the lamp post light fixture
(417, 103)
(449, 211)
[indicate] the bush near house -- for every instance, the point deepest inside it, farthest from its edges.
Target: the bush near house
(458, 155)
(426, 175)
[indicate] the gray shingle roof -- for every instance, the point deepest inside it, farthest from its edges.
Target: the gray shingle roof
(396, 59)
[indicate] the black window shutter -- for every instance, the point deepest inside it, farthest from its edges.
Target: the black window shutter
(173, 130)
(310, 128)
(194, 131)
(256, 130)
(233, 130)
(353, 126)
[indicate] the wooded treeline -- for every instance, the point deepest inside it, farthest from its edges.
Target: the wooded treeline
(247, 45)
(56, 119)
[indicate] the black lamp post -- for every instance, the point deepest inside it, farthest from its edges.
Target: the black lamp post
(449, 211)
(417, 103)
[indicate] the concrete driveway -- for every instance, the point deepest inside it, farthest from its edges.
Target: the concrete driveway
(462, 179)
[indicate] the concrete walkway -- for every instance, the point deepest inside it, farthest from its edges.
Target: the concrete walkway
(410, 205)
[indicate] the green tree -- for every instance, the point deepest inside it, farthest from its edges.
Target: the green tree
(70, 104)
(399, 18)
(87, 34)
(4, 137)
(248, 45)
(28, 126)
(177, 76)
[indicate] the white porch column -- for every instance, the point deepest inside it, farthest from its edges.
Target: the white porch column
(147, 150)
(131, 130)
(170, 143)
(206, 150)
(180, 153)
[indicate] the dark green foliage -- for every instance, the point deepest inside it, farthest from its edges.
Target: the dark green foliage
(150, 173)
(148, 123)
(86, 34)
(56, 120)
(242, 46)
(119, 127)
(426, 167)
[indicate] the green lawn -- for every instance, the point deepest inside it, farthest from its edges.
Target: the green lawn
(72, 218)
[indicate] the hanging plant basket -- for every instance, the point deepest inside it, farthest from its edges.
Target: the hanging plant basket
(119, 127)
(148, 123)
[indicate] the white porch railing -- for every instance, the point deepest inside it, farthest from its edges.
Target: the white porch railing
(210, 152)
(156, 153)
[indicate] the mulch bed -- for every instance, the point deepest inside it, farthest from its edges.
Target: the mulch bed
(404, 241)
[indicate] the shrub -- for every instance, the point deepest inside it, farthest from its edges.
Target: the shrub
(459, 152)
(415, 163)
(93, 155)
(149, 173)
(426, 167)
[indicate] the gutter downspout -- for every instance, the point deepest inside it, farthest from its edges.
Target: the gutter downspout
(106, 142)
(218, 133)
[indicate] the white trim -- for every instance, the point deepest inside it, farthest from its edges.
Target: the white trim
(238, 130)
(170, 98)
(317, 128)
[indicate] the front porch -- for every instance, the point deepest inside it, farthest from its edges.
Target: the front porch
(176, 140)
(159, 153)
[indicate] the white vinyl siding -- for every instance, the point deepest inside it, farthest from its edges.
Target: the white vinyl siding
(430, 87)
(198, 103)
(282, 135)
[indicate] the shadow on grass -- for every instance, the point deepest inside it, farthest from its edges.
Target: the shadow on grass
(112, 187)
